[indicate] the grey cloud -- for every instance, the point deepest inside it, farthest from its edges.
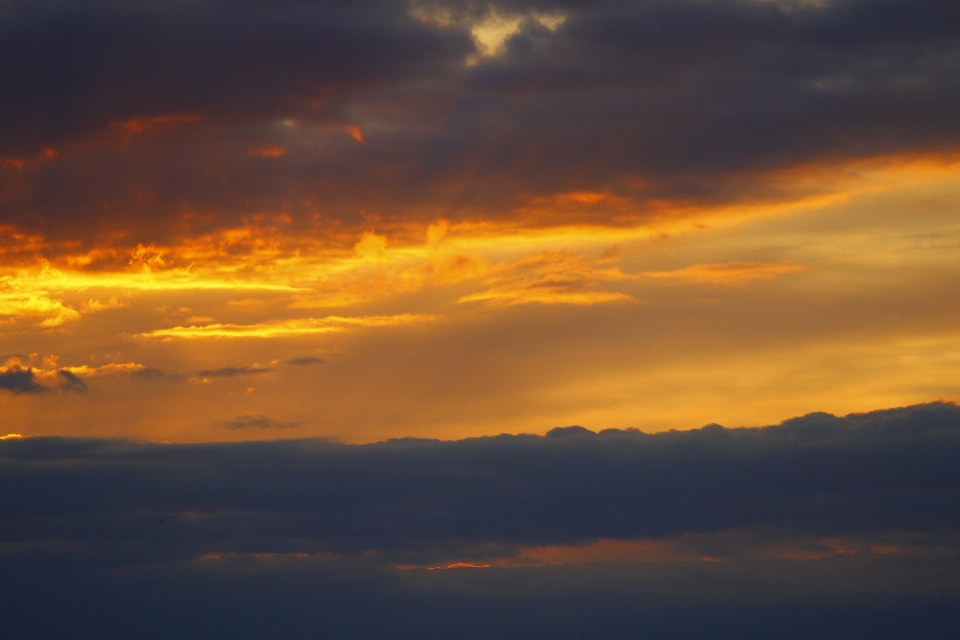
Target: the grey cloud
(687, 99)
(69, 69)
(258, 422)
(19, 380)
(304, 537)
(817, 475)
(71, 382)
(149, 373)
(300, 362)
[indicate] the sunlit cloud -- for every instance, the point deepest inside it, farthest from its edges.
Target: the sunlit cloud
(728, 272)
(142, 125)
(286, 328)
(719, 547)
(550, 278)
(39, 304)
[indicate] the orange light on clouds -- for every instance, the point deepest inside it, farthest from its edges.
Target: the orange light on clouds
(286, 328)
(726, 272)
(140, 125)
(267, 152)
(734, 314)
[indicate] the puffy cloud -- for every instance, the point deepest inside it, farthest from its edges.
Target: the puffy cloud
(20, 380)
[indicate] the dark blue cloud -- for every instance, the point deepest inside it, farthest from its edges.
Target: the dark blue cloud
(20, 380)
(68, 69)
(304, 537)
(818, 475)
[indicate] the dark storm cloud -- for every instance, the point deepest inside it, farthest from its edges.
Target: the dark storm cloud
(685, 99)
(817, 475)
(20, 380)
(308, 360)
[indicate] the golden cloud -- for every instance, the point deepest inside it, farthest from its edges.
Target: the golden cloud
(727, 272)
(286, 328)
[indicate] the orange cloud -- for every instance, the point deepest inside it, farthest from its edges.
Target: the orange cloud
(727, 272)
(550, 278)
(267, 152)
(139, 125)
(692, 548)
(286, 328)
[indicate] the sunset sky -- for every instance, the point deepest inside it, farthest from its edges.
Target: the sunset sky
(344, 222)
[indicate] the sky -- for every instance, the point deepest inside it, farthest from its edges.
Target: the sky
(272, 237)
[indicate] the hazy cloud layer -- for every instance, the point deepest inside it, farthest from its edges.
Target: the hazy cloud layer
(231, 372)
(257, 422)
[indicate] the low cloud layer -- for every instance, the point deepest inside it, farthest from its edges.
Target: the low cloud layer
(820, 525)
(818, 475)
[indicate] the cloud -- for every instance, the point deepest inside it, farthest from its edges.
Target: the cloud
(729, 272)
(258, 422)
(550, 278)
(20, 380)
(195, 61)
(817, 475)
(285, 328)
(150, 373)
(230, 372)
(655, 106)
(581, 525)
(71, 382)
(307, 360)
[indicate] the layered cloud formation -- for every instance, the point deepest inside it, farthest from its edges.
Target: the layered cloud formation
(143, 119)
(859, 508)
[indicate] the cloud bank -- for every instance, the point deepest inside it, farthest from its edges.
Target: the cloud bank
(817, 506)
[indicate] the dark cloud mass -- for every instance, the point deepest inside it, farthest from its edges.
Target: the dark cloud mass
(892, 470)
(686, 100)
(20, 380)
(73, 68)
(87, 512)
